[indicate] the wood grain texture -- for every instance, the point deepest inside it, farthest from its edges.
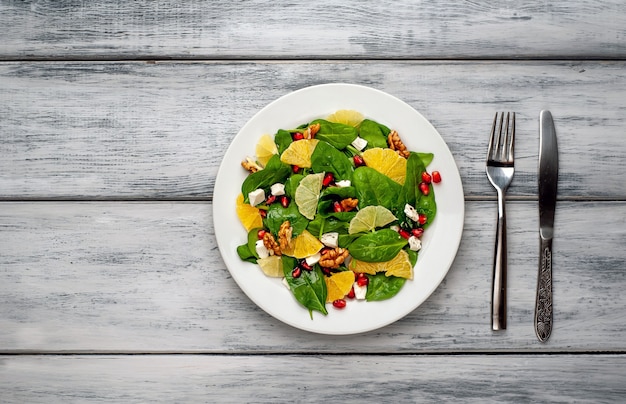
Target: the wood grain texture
(316, 378)
(158, 131)
(303, 29)
(147, 277)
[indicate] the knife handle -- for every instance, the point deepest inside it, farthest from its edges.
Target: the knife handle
(543, 303)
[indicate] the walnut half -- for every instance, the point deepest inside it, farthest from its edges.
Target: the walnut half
(395, 143)
(333, 258)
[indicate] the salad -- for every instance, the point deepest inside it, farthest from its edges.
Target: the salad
(337, 208)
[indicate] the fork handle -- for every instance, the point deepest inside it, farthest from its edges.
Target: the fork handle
(498, 289)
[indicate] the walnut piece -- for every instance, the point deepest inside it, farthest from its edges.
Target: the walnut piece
(270, 243)
(251, 165)
(349, 204)
(284, 235)
(311, 131)
(332, 258)
(395, 143)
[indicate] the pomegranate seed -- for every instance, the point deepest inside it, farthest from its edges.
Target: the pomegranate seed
(405, 234)
(263, 213)
(326, 271)
(261, 233)
(339, 303)
(417, 232)
(329, 178)
(422, 219)
(364, 281)
(284, 201)
(351, 293)
(304, 265)
(296, 272)
(426, 177)
(337, 207)
(270, 199)
(436, 177)
(298, 136)
(424, 188)
(358, 161)
(295, 169)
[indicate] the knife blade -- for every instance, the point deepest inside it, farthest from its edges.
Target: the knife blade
(548, 172)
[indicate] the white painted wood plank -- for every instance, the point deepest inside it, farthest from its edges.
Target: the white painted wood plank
(321, 29)
(147, 277)
(137, 130)
(315, 378)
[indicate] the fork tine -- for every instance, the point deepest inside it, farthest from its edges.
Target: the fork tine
(490, 147)
(511, 140)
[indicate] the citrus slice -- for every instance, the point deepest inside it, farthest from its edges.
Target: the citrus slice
(387, 162)
(399, 266)
(308, 194)
(299, 153)
(338, 285)
(369, 218)
(271, 266)
(347, 117)
(303, 245)
(265, 149)
(248, 214)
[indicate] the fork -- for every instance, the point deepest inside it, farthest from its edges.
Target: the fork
(500, 169)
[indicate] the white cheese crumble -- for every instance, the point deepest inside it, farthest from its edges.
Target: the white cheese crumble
(313, 259)
(278, 189)
(359, 291)
(343, 183)
(261, 250)
(330, 239)
(415, 243)
(257, 196)
(411, 213)
(359, 143)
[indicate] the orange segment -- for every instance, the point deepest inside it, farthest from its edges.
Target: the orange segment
(248, 215)
(399, 266)
(387, 162)
(303, 245)
(338, 285)
(265, 149)
(347, 117)
(299, 153)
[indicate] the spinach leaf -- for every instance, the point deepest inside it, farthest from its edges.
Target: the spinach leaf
(374, 133)
(382, 287)
(377, 246)
(338, 135)
(338, 192)
(292, 184)
(245, 254)
(412, 256)
(275, 171)
(411, 193)
(282, 139)
(345, 240)
(321, 225)
(276, 215)
(252, 239)
(326, 158)
(426, 158)
(374, 188)
(309, 288)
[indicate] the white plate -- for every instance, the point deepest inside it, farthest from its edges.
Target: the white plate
(440, 242)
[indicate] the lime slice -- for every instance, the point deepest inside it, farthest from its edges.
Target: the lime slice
(299, 153)
(369, 218)
(387, 162)
(265, 149)
(308, 193)
(271, 266)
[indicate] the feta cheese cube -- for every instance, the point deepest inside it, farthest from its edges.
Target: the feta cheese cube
(313, 259)
(278, 189)
(359, 291)
(261, 250)
(395, 227)
(359, 143)
(330, 239)
(343, 183)
(415, 243)
(257, 196)
(411, 213)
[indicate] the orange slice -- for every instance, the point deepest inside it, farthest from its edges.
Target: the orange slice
(399, 266)
(338, 285)
(387, 162)
(248, 215)
(303, 245)
(347, 117)
(265, 149)
(299, 153)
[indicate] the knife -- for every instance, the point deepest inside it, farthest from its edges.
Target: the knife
(548, 173)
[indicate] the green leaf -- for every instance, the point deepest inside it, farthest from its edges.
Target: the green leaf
(379, 246)
(321, 225)
(374, 188)
(411, 194)
(245, 254)
(381, 287)
(292, 184)
(326, 158)
(309, 288)
(338, 135)
(374, 133)
(426, 158)
(277, 215)
(282, 139)
(275, 171)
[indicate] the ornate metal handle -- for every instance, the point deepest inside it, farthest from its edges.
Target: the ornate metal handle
(543, 305)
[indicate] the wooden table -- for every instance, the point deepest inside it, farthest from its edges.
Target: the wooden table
(114, 117)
